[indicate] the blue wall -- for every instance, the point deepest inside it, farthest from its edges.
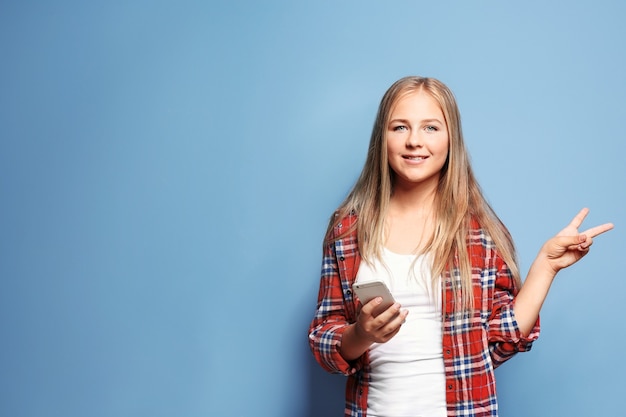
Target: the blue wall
(167, 170)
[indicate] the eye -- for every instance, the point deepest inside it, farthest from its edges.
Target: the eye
(431, 128)
(399, 128)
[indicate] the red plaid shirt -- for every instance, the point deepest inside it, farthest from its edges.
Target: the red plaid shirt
(474, 344)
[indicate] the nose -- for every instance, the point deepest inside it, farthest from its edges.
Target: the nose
(414, 140)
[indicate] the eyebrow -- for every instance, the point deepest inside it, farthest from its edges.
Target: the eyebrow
(421, 121)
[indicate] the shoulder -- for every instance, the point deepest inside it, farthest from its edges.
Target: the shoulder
(342, 236)
(342, 226)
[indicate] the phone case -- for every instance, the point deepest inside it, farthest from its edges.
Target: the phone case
(366, 291)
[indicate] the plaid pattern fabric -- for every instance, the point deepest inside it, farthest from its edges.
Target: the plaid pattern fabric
(474, 343)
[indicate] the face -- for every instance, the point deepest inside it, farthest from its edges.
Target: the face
(417, 140)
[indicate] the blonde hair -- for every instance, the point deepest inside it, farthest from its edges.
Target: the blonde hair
(458, 198)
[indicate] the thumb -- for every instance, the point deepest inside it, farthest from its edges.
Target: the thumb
(568, 241)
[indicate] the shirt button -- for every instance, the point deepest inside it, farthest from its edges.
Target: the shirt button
(341, 258)
(450, 386)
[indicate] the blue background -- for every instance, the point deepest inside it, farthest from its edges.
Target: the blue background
(167, 170)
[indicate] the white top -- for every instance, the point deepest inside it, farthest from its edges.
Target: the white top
(408, 378)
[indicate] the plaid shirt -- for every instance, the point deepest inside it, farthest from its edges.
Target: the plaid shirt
(474, 344)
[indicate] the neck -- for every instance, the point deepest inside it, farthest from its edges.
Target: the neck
(409, 223)
(417, 199)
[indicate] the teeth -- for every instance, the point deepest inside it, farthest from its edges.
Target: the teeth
(415, 158)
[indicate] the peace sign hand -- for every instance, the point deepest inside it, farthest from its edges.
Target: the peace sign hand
(569, 245)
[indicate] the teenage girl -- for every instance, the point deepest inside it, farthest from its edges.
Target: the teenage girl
(417, 220)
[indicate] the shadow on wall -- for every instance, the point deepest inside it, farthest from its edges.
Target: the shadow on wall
(326, 392)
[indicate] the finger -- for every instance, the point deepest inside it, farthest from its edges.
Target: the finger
(389, 314)
(598, 230)
(369, 307)
(394, 325)
(388, 336)
(579, 242)
(569, 242)
(579, 218)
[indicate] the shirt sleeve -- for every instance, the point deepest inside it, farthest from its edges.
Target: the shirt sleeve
(505, 337)
(332, 317)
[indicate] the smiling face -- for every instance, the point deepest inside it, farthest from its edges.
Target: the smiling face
(417, 140)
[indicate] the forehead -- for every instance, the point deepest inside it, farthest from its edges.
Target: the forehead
(418, 104)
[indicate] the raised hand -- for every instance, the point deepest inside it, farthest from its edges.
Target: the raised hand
(570, 245)
(561, 251)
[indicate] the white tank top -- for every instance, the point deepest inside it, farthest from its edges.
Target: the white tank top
(407, 376)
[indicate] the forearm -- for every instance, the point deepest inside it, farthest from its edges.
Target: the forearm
(533, 293)
(353, 345)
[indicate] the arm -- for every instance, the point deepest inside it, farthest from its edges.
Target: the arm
(561, 251)
(332, 317)
(504, 335)
(335, 337)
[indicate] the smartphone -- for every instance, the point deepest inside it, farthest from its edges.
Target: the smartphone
(366, 291)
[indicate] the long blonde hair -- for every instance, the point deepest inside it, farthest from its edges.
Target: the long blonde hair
(458, 198)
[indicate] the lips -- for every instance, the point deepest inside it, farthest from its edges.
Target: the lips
(414, 157)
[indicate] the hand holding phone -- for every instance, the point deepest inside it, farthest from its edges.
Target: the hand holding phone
(367, 291)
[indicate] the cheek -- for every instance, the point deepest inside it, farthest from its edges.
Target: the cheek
(394, 145)
(444, 145)
(445, 149)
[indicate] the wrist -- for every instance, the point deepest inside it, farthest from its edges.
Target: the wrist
(360, 336)
(353, 343)
(542, 267)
